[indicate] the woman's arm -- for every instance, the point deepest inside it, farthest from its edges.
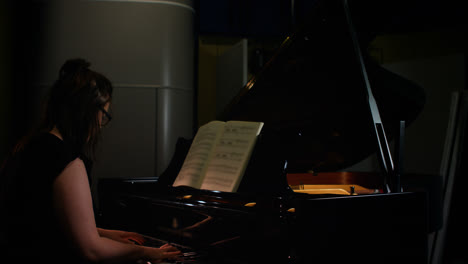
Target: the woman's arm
(73, 204)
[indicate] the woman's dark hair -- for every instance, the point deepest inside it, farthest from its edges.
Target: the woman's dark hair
(73, 105)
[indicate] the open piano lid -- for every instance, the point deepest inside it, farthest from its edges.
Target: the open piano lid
(311, 94)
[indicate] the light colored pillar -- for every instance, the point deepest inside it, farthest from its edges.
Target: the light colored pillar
(146, 49)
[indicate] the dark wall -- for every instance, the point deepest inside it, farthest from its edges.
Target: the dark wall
(21, 34)
(266, 18)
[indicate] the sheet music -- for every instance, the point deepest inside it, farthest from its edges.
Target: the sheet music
(199, 153)
(230, 156)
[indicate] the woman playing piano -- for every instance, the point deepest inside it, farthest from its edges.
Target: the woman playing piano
(46, 204)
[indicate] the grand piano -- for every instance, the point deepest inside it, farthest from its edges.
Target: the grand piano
(316, 97)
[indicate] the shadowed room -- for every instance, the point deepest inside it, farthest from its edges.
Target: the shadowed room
(353, 115)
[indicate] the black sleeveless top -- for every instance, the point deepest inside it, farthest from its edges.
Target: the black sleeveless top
(29, 230)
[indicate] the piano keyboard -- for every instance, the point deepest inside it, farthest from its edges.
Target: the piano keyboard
(188, 255)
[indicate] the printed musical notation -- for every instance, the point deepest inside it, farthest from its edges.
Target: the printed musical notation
(219, 155)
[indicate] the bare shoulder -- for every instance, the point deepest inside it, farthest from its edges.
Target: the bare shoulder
(74, 171)
(76, 164)
(71, 189)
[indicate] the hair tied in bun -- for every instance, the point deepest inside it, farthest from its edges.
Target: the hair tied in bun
(73, 66)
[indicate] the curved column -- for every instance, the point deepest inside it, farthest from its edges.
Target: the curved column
(146, 48)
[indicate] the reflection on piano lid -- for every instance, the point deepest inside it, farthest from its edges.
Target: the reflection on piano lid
(312, 95)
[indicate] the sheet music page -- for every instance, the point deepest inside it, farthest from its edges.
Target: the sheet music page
(194, 166)
(231, 155)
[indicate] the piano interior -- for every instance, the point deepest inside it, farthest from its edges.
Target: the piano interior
(295, 203)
